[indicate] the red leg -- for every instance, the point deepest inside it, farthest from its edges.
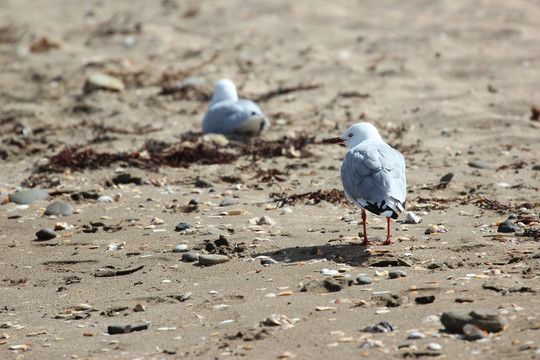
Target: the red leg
(366, 241)
(388, 241)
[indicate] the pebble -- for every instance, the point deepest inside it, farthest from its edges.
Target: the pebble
(182, 226)
(265, 220)
(104, 199)
(59, 208)
(434, 346)
(416, 335)
(286, 211)
(212, 259)
(479, 164)
(180, 248)
(140, 327)
(190, 257)
(397, 274)
(473, 333)
(277, 320)
(139, 308)
(490, 321)
(425, 299)
(118, 328)
(508, 227)
(129, 41)
(364, 280)
(26, 197)
(83, 307)
(45, 234)
(227, 202)
(411, 218)
(204, 183)
(329, 272)
(268, 262)
(382, 327)
(103, 82)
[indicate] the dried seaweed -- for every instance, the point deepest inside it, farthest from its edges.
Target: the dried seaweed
(178, 155)
(286, 146)
(271, 174)
(187, 151)
(532, 233)
(332, 196)
(514, 166)
(491, 204)
(42, 180)
(89, 159)
(43, 44)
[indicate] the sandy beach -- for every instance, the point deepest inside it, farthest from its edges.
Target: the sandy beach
(101, 105)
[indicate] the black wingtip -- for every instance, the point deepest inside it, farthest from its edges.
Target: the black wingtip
(378, 210)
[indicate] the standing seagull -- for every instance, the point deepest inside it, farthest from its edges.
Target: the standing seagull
(227, 115)
(373, 174)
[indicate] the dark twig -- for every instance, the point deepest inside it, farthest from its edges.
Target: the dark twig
(285, 90)
(110, 273)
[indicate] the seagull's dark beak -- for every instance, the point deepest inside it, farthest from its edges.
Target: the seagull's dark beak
(336, 140)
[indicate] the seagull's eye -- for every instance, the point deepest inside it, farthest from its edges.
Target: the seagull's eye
(350, 135)
(253, 113)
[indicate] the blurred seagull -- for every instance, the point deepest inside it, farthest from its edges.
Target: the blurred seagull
(227, 115)
(373, 174)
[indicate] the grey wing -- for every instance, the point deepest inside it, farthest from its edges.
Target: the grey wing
(228, 117)
(373, 176)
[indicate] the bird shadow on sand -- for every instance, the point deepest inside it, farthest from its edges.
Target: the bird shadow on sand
(350, 254)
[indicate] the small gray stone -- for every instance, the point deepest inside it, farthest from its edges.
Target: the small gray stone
(204, 183)
(434, 346)
(140, 327)
(26, 197)
(45, 234)
(454, 320)
(59, 208)
(479, 164)
(265, 220)
(104, 199)
(182, 226)
(397, 274)
(364, 280)
(473, 333)
(190, 257)
(508, 227)
(212, 259)
(416, 335)
(227, 202)
(268, 262)
(485, 314)
(180, 248)
(118, 328)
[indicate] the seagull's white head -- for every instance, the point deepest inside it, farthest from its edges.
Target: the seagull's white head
(225, 90)
(358, 133)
